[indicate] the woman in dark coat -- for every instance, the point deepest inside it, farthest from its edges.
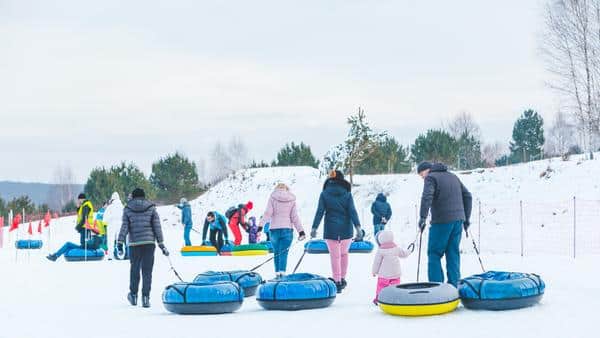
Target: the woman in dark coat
(341, 219)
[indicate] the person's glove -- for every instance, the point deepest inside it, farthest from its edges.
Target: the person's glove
(466, 225)
(164, 250)
(313, 233)
(301, 236)
(422, 223)
(383, 220)
(360, 234)
(120, 250)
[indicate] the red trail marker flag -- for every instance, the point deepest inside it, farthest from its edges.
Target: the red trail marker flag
(30, 230)
(15, 223)
(47, 219)
(40, 227)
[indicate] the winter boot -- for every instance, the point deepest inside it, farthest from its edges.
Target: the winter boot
(146, 301)
(344, 283)
(132, 299)
(338, 285)
(52, 258)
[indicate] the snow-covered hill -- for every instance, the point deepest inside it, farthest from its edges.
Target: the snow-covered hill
(75, 299)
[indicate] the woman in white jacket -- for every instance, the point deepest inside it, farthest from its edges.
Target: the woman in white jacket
(387, 262)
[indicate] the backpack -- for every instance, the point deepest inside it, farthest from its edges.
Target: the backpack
(232, 210)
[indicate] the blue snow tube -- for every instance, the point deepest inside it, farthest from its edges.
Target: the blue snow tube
(497, 290)
(203, 298)
(248, 280)
(298, 291)
(316, 246)
(27, 244)
(227, 247)
(268, 244)
(361, 247)
(79, 255)
(319, 246)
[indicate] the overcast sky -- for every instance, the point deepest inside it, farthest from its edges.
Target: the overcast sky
(90, 83)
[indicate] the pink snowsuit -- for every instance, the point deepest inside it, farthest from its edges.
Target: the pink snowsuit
(386, 264)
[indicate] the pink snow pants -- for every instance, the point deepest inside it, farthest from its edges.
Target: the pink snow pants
(384, 282)
(338, 252)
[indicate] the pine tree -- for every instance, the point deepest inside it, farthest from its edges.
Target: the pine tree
(469, 152)
(389, 158)
(175, 176)
(436, 146)
(296, 155)
(17, 204)
(3, 209)
(99, 186)
(528, 136)
(130, 177)
(122, 178)
(361, 142)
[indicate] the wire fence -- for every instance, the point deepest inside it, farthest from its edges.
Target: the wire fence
(568, 227)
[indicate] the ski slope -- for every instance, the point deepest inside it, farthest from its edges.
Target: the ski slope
(45, 299)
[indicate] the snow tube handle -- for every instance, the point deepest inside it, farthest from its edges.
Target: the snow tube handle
(418, 292)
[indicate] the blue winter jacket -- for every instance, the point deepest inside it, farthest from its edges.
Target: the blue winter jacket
(186, 214)
(337, 205)
(220, 223)
(380, 209)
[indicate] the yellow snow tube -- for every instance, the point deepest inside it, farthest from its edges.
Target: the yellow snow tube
(198, 248)
(419, 310)
(250, 253)
(418, 299)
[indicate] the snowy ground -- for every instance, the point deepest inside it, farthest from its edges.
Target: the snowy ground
(44, 299)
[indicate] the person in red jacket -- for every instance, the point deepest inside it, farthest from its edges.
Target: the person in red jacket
(237, 219)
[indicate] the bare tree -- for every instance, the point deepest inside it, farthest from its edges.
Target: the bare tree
(560, 136)
(491, 152)
(238, 153)
(220, 162)
(63, 190)
(571, 47)
(202, 172)
(464, 124)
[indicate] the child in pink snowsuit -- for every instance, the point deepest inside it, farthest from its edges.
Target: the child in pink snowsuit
(387, 262)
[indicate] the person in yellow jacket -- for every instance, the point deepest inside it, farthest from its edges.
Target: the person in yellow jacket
(85, 225)
(85, 215)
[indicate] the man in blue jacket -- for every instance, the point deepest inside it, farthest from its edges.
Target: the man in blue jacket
(382, 212)
(186, 219)
(217, 224)
(450, 203)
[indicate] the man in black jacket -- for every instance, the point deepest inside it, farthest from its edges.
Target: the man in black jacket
(142, 223)
(450, 203)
